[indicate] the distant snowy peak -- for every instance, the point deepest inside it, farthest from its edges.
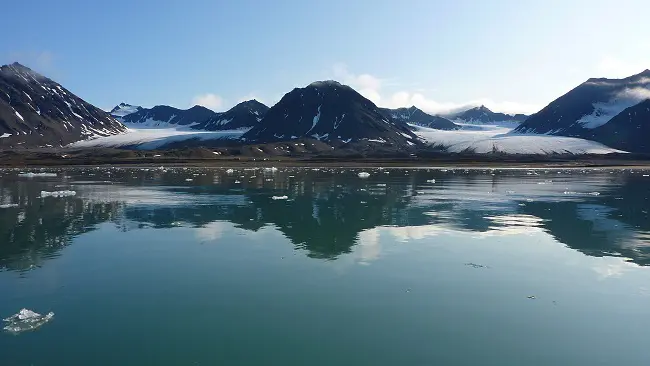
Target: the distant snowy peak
(166, 116)
(244, 115)
(483, 114)
(37, 111)
(418, 117)
(588, 106)
(329, 111)
(124, 109)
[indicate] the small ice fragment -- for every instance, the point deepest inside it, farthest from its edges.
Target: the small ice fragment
(189, 179)
(364, 175)
(510, 192)
(595, 193)
(229, 171)
(26, 320)
(431, 180)
(271, 169)
(280, 197)
(58, 194)
(33, 175)
(8, 205)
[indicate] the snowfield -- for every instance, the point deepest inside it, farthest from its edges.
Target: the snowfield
(472, 137)
(153, 138)
(488, 138)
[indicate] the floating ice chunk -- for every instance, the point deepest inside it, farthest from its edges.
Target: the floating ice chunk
(431, 180)
(58, 194)
(26, 320)
(8, 205)
(271, 169)
(363, 175)
(594, 193)
(280, 197)
(230, 171)
(33, 175)
(189, 179)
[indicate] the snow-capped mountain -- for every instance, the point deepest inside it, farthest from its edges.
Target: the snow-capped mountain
(329, 111)
(418, 117)
(588, 106)
(483, 114)
(244, 115)
(36, 111)
(166, 116)
(123, 109)
(628, 130)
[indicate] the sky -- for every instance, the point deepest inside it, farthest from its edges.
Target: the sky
(510, 55)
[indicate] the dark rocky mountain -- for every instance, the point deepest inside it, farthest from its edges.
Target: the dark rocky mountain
(244, 115)
(588, 106)
(124, 109)
(329, 111)
(483, 114)
(628, 130)
(166, 116)
(418, 117)
(36, 111)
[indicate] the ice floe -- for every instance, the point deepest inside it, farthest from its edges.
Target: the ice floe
(26, 320)
(58, 194)
(34, 175)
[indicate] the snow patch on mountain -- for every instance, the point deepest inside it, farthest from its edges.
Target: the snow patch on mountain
(124, 109)
(627, 98)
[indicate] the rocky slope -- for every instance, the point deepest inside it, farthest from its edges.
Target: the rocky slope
(588, 106)
(628, 130)
(37, 111)
(329, 111)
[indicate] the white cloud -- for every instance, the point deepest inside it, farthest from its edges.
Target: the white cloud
(211, 101)
(371, 87)
(612, 67)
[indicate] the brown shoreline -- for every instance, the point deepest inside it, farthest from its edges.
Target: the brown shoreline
(199, 157)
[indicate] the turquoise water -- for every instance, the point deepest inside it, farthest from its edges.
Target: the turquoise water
(204, 267)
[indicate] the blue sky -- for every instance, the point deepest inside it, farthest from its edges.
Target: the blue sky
(510, 55)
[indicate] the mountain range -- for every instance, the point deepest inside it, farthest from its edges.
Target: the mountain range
(38, 112)
(483, 114)
(416, 116)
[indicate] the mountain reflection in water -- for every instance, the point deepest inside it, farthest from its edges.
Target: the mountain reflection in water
(328, 212)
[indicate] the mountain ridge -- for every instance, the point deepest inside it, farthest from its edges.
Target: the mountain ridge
(37, 111)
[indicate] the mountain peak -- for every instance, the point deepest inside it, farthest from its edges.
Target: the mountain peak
(18, 68)
(325, 83)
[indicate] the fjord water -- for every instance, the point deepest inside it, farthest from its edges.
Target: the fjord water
(408, 267)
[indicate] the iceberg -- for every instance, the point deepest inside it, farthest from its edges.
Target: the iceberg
(26, 320)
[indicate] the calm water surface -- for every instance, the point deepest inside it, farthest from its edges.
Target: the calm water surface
(204, 267)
